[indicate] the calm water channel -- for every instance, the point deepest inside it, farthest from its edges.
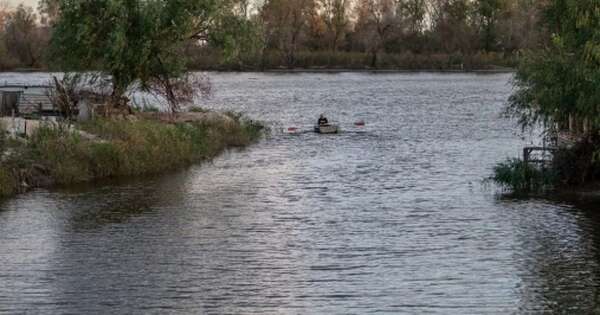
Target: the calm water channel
(391, 218)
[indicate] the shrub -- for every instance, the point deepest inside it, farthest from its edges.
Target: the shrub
(521, 177)
(579, 164)
(8, 184)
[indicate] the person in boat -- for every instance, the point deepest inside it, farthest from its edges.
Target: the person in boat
(323, 121)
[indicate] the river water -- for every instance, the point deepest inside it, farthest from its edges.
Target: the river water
(389, 218)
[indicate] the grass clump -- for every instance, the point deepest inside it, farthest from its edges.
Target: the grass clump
(7, 183)
(522, 177)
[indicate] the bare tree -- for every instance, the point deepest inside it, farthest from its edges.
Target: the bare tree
(376, 23)
(23, 36)
(65, 93)
(413, 13)
(334, 14)
(285, 23)
(180, 91)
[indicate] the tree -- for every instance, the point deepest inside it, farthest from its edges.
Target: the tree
(518, 27)
(377, 21)
(558, 85)
(413, 12)
(487, 13)
(6, 60)
(22, 36)
(450, 25)
(334, 14)
(237, 33)
(413, 16)
(131, 42)
(286, 22)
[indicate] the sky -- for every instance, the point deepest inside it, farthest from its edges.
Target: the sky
(31, 3)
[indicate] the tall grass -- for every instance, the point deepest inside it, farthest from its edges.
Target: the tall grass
(521, 177)
(122, 148)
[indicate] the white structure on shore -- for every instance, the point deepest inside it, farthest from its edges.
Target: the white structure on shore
(24, 108)
(26, 100)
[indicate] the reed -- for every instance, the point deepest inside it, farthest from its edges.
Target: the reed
(519, 176)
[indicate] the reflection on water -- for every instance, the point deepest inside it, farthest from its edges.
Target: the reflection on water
(389, 218)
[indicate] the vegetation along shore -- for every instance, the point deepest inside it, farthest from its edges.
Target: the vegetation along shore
(556, 90)
(106, 148)
(302, 34)
(83, 126)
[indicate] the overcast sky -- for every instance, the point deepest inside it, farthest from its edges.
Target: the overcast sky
(32, 3)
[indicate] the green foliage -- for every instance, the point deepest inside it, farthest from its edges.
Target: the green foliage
(152, 41)
(63, 151)
(239, 38)
(561, 80)
(6, 179)
(129, 40)
(488, 14)
(7, 182)
(521, 177)
(579, 164)
(319, 60)
(62, 156)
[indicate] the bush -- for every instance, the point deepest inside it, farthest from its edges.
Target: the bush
(579, 164)
(521, 177)
(8, 185)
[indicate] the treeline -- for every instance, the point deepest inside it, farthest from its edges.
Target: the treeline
(354, 34)
(24, 38)
(405, 34)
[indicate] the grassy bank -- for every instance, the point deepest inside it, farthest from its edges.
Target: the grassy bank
(60, 156)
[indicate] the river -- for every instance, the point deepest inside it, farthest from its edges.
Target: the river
(393, 217)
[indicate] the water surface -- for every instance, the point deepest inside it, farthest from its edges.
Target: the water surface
(389, 218)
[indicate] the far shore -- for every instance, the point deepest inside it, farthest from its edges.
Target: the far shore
(330, 70)
(315, 70)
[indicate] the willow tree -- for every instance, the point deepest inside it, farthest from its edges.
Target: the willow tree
(131, 42)
(558, 85)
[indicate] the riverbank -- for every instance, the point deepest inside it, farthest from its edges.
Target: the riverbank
(139, 145)
(495, 70)
(340, 61)
(329, 62)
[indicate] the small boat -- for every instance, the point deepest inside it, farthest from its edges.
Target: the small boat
(327, 129)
